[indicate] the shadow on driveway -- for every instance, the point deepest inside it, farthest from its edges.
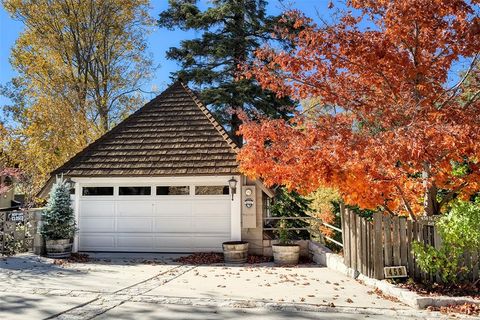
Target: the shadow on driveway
(144, 311)
(32, 264)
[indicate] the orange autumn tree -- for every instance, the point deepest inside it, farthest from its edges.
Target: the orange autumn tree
(405, 138)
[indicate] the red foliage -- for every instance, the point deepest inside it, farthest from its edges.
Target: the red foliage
(399, 115)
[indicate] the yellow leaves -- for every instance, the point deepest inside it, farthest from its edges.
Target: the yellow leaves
(76, 60)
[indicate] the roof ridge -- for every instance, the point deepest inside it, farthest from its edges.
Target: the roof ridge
(211, 118)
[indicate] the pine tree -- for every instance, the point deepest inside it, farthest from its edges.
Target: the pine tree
(231, 30)
(58, 219)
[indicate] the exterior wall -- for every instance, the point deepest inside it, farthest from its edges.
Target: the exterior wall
(254, 236)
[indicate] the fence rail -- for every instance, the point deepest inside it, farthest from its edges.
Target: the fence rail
(309, 228)
(386, 241)
(271, 224)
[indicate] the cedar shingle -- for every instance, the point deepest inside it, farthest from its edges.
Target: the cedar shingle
(174, 134)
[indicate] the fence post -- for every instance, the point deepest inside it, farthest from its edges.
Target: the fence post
(38, 243)
(403, 241)
(345, 234)
(358, 232)
(387, 230)
(378, 245)
(353, 240)
(364, 246)
(410, 257)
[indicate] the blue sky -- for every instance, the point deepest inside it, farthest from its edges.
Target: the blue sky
(159, 40)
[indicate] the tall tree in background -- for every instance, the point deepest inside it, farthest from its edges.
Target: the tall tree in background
(81, 64)
(231, 30)
(406, 137)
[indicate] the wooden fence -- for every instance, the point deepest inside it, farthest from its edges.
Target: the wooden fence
(384, 241)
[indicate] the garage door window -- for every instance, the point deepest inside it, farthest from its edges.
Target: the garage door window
(173, 190)
(211, 190)
(97, 191)
(134, 191)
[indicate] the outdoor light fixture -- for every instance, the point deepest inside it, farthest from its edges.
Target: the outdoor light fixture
(233, 186)
(69, 183)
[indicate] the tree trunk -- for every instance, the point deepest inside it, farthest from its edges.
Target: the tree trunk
(431, 206)
(103, 114)
(235, 125)
(430, 203)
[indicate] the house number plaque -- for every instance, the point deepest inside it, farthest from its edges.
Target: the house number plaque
(395, 272)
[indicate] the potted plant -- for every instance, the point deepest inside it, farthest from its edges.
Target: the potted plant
(58, 221)
(285, 252)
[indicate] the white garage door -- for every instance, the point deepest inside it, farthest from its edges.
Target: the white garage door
(156, 222)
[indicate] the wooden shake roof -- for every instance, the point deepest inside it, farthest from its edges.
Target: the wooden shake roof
(174, 134)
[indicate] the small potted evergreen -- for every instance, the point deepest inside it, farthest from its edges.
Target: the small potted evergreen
(58, 221)
(285, 252)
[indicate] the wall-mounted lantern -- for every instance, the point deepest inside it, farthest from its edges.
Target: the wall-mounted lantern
(69, 183)
(232, 183)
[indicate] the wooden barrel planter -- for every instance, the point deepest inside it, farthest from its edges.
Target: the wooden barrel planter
(235, 251)
(58, 248)
(284, 254)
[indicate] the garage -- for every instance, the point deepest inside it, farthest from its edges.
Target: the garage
(160, 181)
(154, 218)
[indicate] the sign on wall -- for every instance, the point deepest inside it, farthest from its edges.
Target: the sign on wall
(17, 216)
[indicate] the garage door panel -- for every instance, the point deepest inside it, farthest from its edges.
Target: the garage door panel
(134, 208)
(173, 208)
(89, 224)
(211, 207)
(173, 224)
(96, 242)
(212, 225)
(210, 242)
(89, 208)
(174, 242)
(134, 224)
(131, 241)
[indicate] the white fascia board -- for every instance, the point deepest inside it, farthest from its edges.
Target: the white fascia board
(207, 180)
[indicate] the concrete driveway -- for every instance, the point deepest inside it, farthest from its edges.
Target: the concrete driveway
(116, 286)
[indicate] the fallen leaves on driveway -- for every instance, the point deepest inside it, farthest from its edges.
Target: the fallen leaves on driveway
(213, 257)
(470, 309)
(382, 295)
(74, 258)
(201, 258)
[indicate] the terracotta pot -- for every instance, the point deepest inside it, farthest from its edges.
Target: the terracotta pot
(58, 248)
(235, 251)
(286, 253)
